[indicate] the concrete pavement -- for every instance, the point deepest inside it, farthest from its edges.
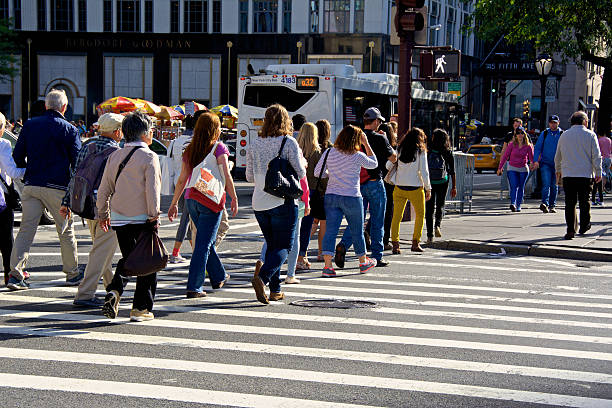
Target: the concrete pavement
(491, 227)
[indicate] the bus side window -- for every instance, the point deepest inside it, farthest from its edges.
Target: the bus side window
(262, 96)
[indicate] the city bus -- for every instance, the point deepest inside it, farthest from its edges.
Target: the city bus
(333, 92)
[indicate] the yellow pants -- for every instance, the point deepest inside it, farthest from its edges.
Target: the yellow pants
(417, 198)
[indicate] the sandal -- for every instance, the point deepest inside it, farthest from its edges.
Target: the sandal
(302, 266)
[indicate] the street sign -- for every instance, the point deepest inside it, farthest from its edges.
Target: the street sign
(447, 64)
(454, 88)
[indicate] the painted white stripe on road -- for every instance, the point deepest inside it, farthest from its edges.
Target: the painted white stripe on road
(287, 375)
(163, 392)
(240, 226)
(323, 334)
(324, 353)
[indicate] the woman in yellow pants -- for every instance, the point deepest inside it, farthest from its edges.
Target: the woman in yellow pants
(412, 184)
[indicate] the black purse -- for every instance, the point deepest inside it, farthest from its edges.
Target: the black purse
(281, 178)
(317, 199)
(11, 197)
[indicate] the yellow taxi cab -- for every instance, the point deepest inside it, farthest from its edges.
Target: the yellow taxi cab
(487, 156)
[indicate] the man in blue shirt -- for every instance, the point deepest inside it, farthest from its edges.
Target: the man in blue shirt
(47, 147)
(544, 159)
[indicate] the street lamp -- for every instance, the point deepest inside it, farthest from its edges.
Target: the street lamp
(229, 68)
(371, 44)
(299, 47)
(543, 65)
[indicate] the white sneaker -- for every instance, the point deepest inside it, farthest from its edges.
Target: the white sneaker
(176, 259)
(292, 280)
(141, 315)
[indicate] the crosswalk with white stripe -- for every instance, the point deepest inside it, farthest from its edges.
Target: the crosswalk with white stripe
(450, 329)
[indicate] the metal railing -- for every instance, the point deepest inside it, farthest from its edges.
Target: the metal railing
(464, 174)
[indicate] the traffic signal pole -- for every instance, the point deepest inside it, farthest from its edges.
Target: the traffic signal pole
(405, 83)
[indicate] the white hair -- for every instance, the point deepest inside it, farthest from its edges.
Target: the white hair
(56, 99)
(2, 121)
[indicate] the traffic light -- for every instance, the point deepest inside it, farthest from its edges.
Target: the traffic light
(526, 108)
(408, 17)
(502, 88)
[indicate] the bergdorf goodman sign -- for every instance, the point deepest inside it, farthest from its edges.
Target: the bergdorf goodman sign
(150, 44)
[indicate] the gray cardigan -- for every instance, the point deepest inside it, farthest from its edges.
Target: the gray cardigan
(578, 153)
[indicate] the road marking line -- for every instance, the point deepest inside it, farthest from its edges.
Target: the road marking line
(325, 334)
(164, 392)
(294, 375)
(380, 358)
(239, 226)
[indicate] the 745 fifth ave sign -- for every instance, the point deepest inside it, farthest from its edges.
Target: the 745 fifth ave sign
(519, 68)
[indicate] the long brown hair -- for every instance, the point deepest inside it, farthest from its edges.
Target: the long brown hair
(324, 133)
(349, 140)
(205, 134)
(412, 143)
(276, 122)
(526, 140)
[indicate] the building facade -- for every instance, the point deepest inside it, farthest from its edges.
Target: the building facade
(169, 51)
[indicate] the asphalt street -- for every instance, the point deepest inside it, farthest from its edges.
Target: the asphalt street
(450, 329)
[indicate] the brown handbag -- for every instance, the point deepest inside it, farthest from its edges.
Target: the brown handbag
(149, 256)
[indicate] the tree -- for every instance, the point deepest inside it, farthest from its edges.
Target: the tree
(9, 63)
(577, 30)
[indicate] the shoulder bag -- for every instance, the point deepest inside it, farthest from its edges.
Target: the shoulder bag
(11, 197)
(281, 178)
(317, 199)
(208, 179)
(149, 255)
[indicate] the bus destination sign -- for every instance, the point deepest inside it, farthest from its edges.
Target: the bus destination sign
(309, 83)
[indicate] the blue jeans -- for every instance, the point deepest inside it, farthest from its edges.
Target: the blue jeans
(517, 180)
(278, 226)
(337, 206)
(293, 254)
(204, 257)
(374, 194)
(549, 184)
(305, 230)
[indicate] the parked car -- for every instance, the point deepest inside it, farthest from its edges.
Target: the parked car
(486, 157)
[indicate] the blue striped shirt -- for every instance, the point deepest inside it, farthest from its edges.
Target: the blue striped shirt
(343, 171)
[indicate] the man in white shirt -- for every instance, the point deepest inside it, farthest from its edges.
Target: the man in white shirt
(577, 162)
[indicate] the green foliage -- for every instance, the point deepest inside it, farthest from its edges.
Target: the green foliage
(579, 30)
(9, 63)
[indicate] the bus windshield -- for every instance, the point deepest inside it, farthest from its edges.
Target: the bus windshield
(262, 96)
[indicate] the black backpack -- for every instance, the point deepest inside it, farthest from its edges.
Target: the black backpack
(436, 165)
(86, 181)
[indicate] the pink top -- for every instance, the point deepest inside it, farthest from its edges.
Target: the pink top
(306, 193)
(605, 145)
(517, 156)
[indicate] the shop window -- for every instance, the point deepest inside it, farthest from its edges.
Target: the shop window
(82, 15)
(286, 16)
(337, 16)
(217, 16)
(62, 17)
(175, 9)
(17, 14)
(148, 16)
(314, 16)
(265, 16)
(41, 17)
(128, 15)
(264, 96)
(108, 15)
(196, 16)
(244, 16)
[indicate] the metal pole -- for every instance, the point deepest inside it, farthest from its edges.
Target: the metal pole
(229, 69)
(29, 41)
(543, 102)
(405, 83)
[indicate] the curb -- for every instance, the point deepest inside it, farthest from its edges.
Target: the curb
(546, 251)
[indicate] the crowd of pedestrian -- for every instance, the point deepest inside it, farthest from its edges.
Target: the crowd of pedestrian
(303, 186)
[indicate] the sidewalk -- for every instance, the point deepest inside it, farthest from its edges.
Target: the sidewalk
(491, 227)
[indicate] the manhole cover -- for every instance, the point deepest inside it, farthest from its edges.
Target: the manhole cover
(334, 303)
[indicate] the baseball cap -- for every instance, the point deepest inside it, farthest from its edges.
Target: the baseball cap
(553, 118)
(109, 122)
(373, 113)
